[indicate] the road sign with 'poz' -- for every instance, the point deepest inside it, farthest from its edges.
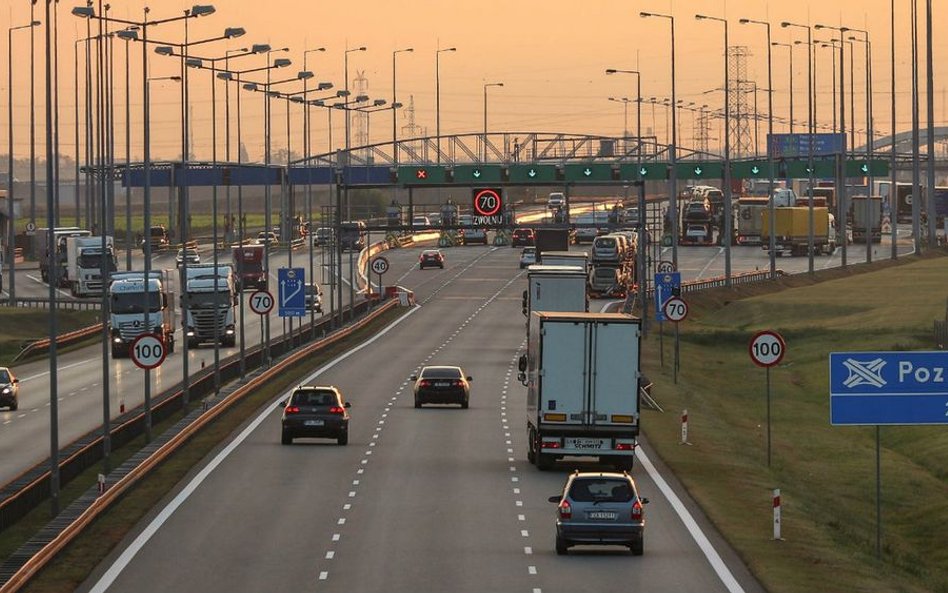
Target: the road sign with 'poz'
(261, 302)
(292, 295)
(148, 351)
(767, 348)
(872, 388)
(379, 265)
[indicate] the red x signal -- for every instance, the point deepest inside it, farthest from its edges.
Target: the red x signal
(421, 174)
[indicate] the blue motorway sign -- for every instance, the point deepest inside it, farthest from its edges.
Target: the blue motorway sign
(664, 283)
(796, 145)
(888, 388)
(291, 296)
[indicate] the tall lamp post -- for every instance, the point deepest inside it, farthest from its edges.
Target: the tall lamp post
(395, 100)
(810, 130)
(638, 106)
(789, 47)
(11, 229)
(728, 232)
(869, 138)
(489, 84)
(672, 147)
(770, 130)
(438, 53)
(345, 164)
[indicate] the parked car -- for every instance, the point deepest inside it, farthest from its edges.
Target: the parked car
(442, 385)
(600, 508)
(522, 237)
(314, 297)
(9, 389)
(431, 258)
(528, 257)
(322, 236)
(192, 256)
(315, 411)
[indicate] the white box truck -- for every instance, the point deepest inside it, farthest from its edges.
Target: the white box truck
(555, 288)
(565, 258)
(84, 257)
(582, 375)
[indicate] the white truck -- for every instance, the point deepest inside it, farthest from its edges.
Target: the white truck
(582, 376)
(138, 306)
(212, 300)
(555, 288)
(84, 257)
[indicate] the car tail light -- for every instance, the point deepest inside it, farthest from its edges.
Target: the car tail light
(636, 510)
(565, 510)
(292, 410)
(424, 383)
(457, 383)
(337, 410)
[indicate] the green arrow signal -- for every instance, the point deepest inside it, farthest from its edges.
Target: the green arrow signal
(532, 172)
(809, 170)
(755, 169)
(865, 167)
(587, 172)
(698, 170)
(476, 173)
(643, 171)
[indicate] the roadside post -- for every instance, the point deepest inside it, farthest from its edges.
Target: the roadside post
(776, 500)
(892, 388)
(261, 303)
(766, 350)
(676, 310)
(380, 265)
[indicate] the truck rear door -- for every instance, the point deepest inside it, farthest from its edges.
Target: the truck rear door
(563, 380)
(615, 375)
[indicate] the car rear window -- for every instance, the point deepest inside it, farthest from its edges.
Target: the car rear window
(441, 373)
(606, 243)
(602, 489)
(312, 397)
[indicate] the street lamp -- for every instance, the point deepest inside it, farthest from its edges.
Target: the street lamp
(672, 148)
(789, 46)
(394, 101)
(638, 107)
(811, 128)
(348, 127)
(728, 222)
(11, 231)
(869, 141)
(438, 99)
(770, 131)
(489, 84)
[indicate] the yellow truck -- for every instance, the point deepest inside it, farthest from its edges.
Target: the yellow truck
(792, 230)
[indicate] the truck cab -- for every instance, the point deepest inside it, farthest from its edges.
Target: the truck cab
(139, 305)
(212, 298)
(248, 263)
(84, 264)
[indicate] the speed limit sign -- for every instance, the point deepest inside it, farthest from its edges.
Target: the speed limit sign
(665, 266)
(261, 302)
(148, 351)
(675, 309)
(767, 348)
(380, 265)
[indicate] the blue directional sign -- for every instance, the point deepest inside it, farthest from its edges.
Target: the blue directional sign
(664, 284)
(291, 295)
(798, 145)
(873, 388)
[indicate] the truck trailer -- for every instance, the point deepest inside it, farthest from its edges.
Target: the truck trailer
(792, 230)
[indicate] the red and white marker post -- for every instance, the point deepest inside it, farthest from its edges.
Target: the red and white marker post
(777, 514)
(684, 428)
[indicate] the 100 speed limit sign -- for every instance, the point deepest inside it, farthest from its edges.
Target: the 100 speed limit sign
(767, 348)
(148, 351)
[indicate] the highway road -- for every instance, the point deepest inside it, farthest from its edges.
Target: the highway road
(436, 499)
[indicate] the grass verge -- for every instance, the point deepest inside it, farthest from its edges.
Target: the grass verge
(78, 560)
(23, 326)
(826, 474)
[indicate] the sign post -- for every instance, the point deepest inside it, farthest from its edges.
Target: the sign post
(148, 351)
(676, 310)
(380, 266)
(666, 284)
(766, 350)
(261, 303)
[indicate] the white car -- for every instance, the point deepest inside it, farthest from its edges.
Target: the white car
(556, 200)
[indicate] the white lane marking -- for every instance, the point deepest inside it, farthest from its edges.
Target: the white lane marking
(60, 368)
(7, 421)
(341, 521)
(346, 506)
(723, 572)
(519, 503)
(132, 550)
(39, 281)
(323, 575)
(532, 569)
(335, 537)
(537, 590)
(330, 554)
(527, 550)
(352, 494)
(524, 533)
(711, 261)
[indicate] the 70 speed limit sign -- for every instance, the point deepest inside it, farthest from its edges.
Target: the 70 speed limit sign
(675, 309)
(148, 351)
(767, 348)
(261, 302)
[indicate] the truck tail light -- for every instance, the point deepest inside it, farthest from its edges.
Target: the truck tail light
(550, 444)
(565, 510)
(624, 447)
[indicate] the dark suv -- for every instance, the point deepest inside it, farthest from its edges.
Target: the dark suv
(315, 411)
(600, 508)
(522, 237)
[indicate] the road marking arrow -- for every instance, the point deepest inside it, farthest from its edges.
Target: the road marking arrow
(698, 170)
(532, 172)
(755, 169)
(476, 173)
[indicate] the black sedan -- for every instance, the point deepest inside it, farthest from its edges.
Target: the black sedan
(9, 389)
(431, 258)
(442, 385)
(315, 411)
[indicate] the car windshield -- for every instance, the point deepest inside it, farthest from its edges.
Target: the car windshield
(431, 254)
(441, 373)
(601, 490)
(606, 243)
(135, 302)
(314, 397)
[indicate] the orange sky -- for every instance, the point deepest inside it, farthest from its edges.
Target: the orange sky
(550, 55)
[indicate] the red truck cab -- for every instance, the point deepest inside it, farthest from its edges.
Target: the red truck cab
(248, 261)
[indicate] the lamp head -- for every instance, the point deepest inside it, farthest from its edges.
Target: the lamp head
(202, 10)
(35, 24)
(378, 102)
(744, 21)
(281, 62)
(127, 35)
(319, 103)
(361, 98)
(175, 78)
(234, 32)
(259, 48)
(304, 75)
(296, 99)
(816, 26)
(250, 86)
(610, 71)
(396, 105)
(193, 63)
(342, 93)
(786, 24)
(164, 50)
(83, 11)
(324, 86)
(225, 76)
(645, 14)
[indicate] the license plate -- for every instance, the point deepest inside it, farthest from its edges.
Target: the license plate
(442, 384)
(580, 443)
(313, 423)
(603, 515)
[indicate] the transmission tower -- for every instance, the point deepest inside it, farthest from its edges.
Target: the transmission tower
(701, 133)
(360, 119)
(739, 111)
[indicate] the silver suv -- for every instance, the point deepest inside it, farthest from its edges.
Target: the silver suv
(600, 508)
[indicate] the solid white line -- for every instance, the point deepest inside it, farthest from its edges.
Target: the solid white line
(129, 553)
(39, 281)
(723, 572)
(711, 261)
(60, 368)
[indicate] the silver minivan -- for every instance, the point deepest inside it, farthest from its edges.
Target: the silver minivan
(609, 248)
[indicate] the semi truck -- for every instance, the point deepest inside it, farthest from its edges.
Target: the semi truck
(792, 230)
(84, 259)
(555, 288)
(857, 216)
(54, 264)
(212, 301)
(158, 237)
(139, 305)
(582, 376)
(749, 219)
(248, 262)
(550, 239)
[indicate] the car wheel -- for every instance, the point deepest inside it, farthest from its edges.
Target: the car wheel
(286, 439)
(638, 547)
(417, 403)
(544, 461)
(14, 405)
(562, 546)
(343, 438)
(465, 404)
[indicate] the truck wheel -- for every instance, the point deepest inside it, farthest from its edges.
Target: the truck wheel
(544, 462)
(531, 446)
(192, 343)
(116, 353)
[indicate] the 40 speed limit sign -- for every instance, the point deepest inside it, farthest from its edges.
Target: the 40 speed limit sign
(767, 348)
(148, 351)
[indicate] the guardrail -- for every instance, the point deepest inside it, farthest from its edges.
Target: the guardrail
(201, 418)
(66, 339)
(719, 281)
(41, 303)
